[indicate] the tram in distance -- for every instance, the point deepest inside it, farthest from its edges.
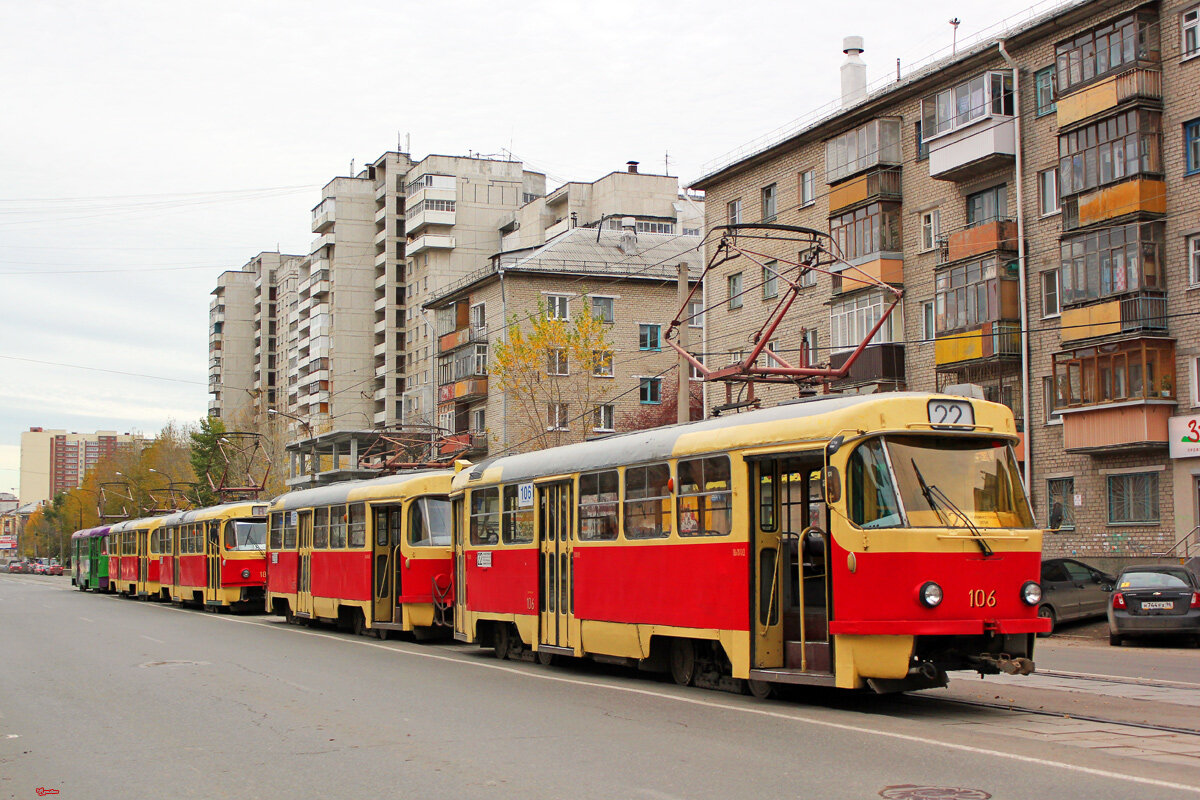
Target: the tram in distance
(864, 541)
(89, 559)
(214, 557)
(372, 555)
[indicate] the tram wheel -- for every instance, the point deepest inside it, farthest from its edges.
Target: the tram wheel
(763, 690)
(683, 661)
(358, 623)
(546, 659)
(503, 641)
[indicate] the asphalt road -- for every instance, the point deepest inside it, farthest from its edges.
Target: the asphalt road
(1084, 648)
(104, 697)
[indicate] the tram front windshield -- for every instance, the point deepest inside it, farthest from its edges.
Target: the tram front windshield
(244, 534)
(935, 482)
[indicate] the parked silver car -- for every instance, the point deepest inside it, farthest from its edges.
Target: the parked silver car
(1072, 590)
(1154, 601)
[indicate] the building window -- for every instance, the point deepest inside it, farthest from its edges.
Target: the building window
(735, 291)
(558, 306)
(479, 420)
(1193, 260)
(1133, 498)
(691, 231)
(651, 390)
(928, 317)
(695, 311)
(1105, 50)
(556, 417)
(988, 94)
(865, 231)
(808, 347)
(649, 337)
(1060, 503)
(603, 417)
(654, 227)
(922, 147)
(1111, 261)
(602, 364)
(602, 309)
(481, 358)
(851, 319)
(1050, 401)
(1048, 192)
(877, 142)
(808, 188)
(1191, 146)
(1109, 151)
(808, 278)
(768, 202)
(734, 211)
(931, 229)
(1043, 81)
(1189, 26)
(770, 280)
(556, 361)
(987, 206)
(1051, 307)
(694, 372)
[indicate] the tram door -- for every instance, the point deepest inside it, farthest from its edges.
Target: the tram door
(175, 562)
(143, 557)
(458, 533)
(304, 542)
(386, 551)
(791, 609)
(212, 552)
(557, 603)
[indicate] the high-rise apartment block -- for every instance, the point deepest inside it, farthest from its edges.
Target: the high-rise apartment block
(1036, 198)
(54, 461)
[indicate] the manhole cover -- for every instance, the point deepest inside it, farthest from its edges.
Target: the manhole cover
(172, 664)
(910, 792)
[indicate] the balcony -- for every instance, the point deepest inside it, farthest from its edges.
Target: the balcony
(1145, 312)
(381, 190)
(324, 240)
(992, 341)
(1117, 427)
(462, 336)
(979, 239)
(323, 219)
(880, 184)
(878, 363)
(467, 443)
(430, 242)
(418, 221)
(463, 391)
(971, 150)
(1099, 97)
(1140, 195)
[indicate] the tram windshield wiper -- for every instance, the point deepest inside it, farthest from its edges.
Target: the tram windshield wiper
(937, 500)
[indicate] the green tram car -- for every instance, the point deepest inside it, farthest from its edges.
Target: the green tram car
(89, 550)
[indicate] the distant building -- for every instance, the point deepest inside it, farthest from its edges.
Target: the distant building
(54, 461)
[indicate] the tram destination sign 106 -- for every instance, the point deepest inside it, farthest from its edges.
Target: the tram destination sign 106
(951, 414)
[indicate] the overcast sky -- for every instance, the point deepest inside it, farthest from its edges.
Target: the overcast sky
(147, 146)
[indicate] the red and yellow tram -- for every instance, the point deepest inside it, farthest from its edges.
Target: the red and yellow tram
(215, 556)
(877, 540)
(371, 555)
(138, 554)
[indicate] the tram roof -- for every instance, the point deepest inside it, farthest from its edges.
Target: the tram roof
(100, 530)
(140, 522)
(210, 512)
(657, 444)
(336, 493)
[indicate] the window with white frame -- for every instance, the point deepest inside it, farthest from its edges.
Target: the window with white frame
(695, 313)
(851, 319)
(769, 196)
(1189, 28)
(602, 309)
(1193, 259)
(808, 278)
(877, 142)
(1048, 192)
(808, 347)
(650, 391)
(1050, 401)
(481, 359)
(1051, 302)
(602, 363)
(928, 321)
(989, 94)
(604, 417)
(770, 280)
(691, 231)
(478, 317)
(556, 416)
(649, 337)
(654, 227)
(479, 420)
(1133, 498)
(733, 211)
(808, 188)
(931, 229)
(694, 371)
(556, 361)
(735, 291)
(558, 306)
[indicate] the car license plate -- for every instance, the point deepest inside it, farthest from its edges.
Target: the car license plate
(1157, 604)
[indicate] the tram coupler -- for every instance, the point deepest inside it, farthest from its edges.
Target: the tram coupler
(989, 664)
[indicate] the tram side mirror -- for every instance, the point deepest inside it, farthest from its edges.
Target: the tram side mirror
(833, 485)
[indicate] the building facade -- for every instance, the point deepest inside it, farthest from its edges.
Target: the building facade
(54, 461)
(1035, 197)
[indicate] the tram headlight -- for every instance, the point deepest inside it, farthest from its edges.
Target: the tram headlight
(1031, 593)
(245, 574)
(930, 594)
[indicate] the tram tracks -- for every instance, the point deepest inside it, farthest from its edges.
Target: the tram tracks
(1059, 714)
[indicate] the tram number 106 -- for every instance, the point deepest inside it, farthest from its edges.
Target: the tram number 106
(978, 598)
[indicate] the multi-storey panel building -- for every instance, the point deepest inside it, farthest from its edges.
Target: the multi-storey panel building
(54, 461)
(1033, 196)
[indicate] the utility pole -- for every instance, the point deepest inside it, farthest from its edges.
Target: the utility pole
(683, 412)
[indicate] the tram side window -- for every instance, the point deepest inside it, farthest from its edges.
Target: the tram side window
(647, 502)
(429, 522)
(872, 494)
(598, 509)
(516, 523)
(704, 497)
(321, 528)
(276, 521)
(337, 526)
(357, 525)
(289, 530)
(485, 516)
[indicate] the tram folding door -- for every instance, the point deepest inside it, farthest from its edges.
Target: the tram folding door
(458, 535)
(557, 603)
(304, 598)
(212, 553)
(386, 558)
(143, 557)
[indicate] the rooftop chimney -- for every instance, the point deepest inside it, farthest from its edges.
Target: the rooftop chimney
(633, 165)
(628, 243)
(854, 72)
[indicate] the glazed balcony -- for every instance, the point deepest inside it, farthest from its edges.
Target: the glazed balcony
(879, 184)
(1141, 313)
(877, 363)
(1137, 196)
(1136, 84)
(991, 341)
